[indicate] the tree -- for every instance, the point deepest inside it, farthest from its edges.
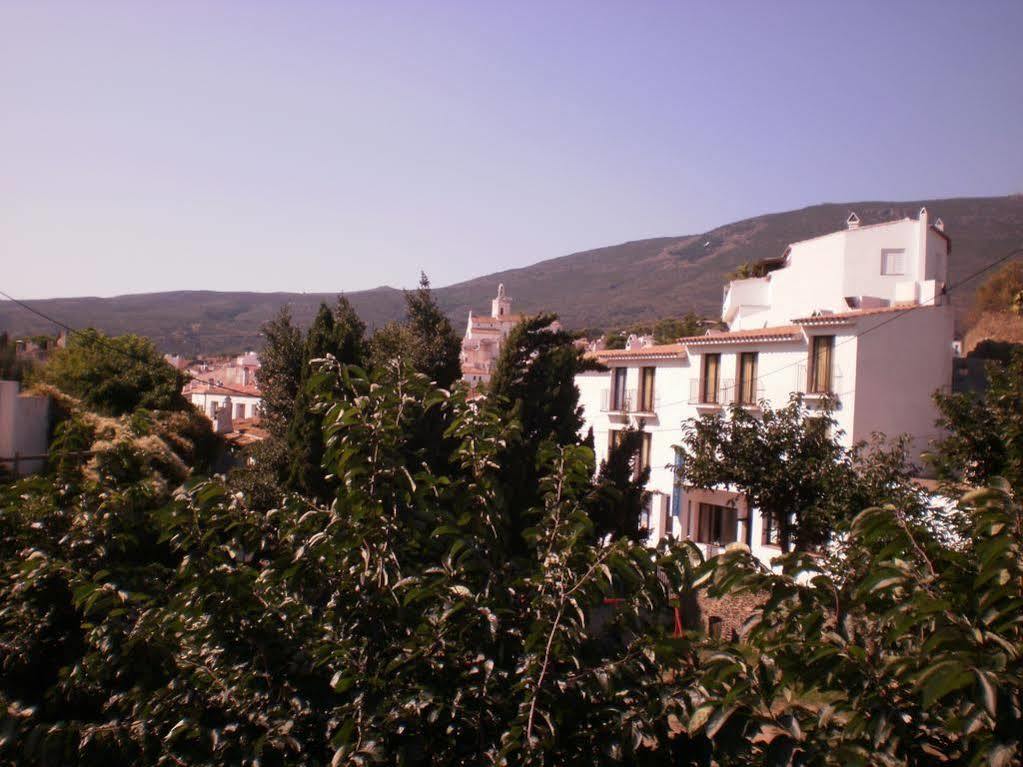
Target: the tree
(788, 464)
(396, 625)
(669, 330)
(534, 380)
(747, 270)
(615, 340)
(114, 375)
(338, 334)
(619, 495)
(985, 431)
(908, 655)
(281, 362)
(425, 339)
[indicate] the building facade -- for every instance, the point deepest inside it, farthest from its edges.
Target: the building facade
(858, 316)
(24, 428)
(484, 337)
(231, 384)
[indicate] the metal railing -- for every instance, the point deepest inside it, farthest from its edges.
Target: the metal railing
(616, 401)
(802, 384)
(627, 402)
(698, 394)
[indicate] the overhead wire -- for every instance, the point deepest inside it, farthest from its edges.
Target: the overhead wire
(113, 347)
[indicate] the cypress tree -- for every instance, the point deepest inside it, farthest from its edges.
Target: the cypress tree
(339, 333)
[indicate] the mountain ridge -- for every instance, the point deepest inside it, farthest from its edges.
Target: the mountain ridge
(614, 285)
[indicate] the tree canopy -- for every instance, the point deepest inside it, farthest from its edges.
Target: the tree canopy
(114, 375)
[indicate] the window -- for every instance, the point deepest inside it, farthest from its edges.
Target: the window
(710, 377)
(771, 535)
(239, 410)
(819, 373)
(748, 378)
(893, 261)
(646, 390)
(618, 388)
(644, 454)
(213, 410)
(716, 524)
(614, 439)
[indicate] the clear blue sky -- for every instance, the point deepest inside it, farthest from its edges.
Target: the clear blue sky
(323, 146)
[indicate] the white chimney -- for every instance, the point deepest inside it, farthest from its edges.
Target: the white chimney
(853, 222)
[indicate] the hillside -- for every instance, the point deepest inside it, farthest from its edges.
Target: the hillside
(615, 285)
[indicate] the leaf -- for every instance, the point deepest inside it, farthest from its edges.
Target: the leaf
(699, 718)
(987, 692)
(945, 678)
(718, 720)
(675, 724)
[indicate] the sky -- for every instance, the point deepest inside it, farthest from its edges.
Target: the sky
(336, 146)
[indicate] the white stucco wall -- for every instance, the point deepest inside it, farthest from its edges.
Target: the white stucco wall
(900, 367)
(205, 402)
(24, 426)
(821, 273)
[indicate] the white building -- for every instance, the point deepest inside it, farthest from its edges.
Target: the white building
(858, 314)
(24, 423)
(232, 384)
(484, 337)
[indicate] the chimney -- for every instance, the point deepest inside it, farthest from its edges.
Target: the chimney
(939, 224)
(853, 222)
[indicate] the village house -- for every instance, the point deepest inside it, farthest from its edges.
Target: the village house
(230, 384)
(858, 315)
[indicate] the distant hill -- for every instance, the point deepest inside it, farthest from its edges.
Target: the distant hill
(611, 286)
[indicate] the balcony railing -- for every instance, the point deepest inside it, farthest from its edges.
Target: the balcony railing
(832, 389)
(757, 395)
(699, 395)
(627, 402)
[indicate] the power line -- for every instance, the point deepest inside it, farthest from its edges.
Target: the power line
(112, 347)
(898, 314)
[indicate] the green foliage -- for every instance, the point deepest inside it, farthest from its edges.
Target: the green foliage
(618, 497)
(425, 339)
(911, 656)
(281, 362)
(398, 625)
(534, 382)
(985, 431)
(669, 330)
(792, 467)
(115, 375)
(338, 334)
(746, 271)
(615, 340)
(425, 616)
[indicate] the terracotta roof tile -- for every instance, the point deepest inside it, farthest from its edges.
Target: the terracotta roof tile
(661, 351)
(849, 316)
(780, 333)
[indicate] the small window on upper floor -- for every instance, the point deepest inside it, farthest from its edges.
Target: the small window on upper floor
(893, 261)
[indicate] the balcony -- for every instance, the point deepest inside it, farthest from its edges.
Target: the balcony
(701, 398)
(616, 403)
(627, 402)
(753, 293)
(802, 384)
